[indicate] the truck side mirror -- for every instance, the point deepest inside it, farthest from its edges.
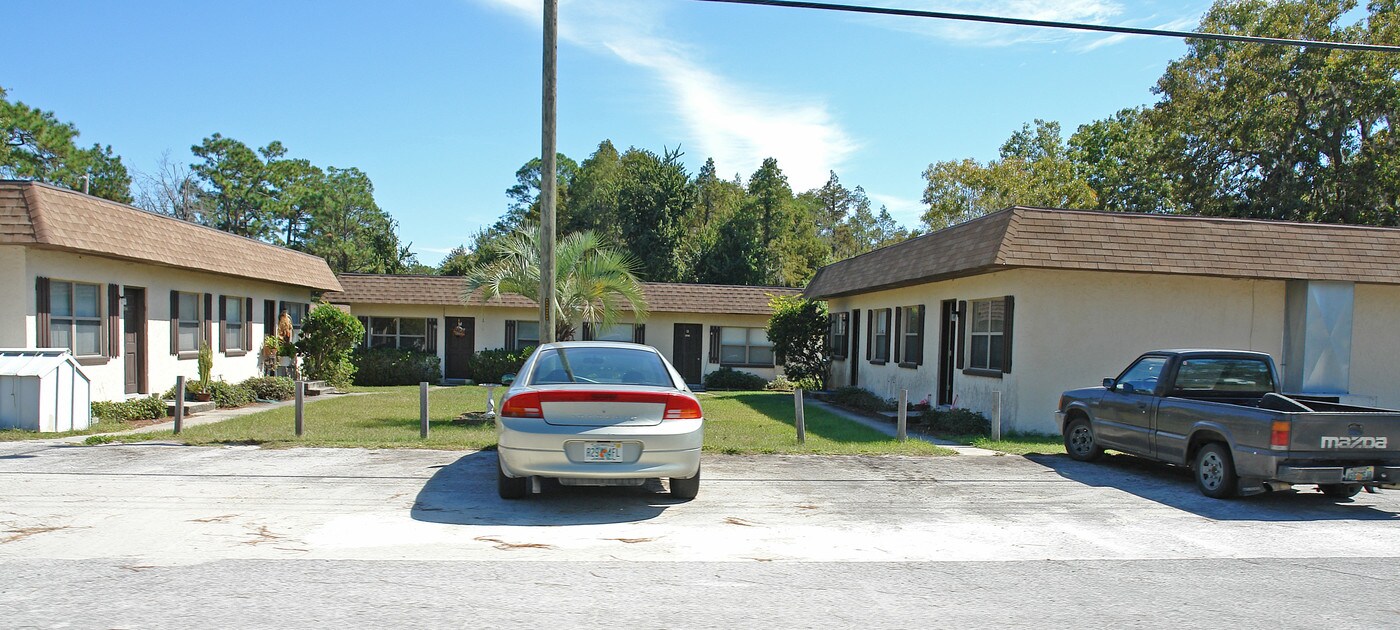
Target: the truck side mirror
(1108, 384)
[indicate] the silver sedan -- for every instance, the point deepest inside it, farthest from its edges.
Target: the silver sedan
(598, 413)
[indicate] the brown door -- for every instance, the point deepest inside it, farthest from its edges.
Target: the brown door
(461, 344)
(134, 339)
(854, 332)
(686, 352)
(947, 350)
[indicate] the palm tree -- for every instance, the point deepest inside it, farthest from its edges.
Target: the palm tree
(595, 282)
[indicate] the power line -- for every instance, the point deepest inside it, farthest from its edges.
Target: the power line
(967, 17)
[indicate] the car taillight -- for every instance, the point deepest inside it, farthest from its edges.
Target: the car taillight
(681, 407)
(522, 405)
(1280, 434)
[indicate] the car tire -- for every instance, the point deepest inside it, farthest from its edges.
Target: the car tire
(685, 488)
(1214, 470)
(1079, 441)
(1340, 490)
(510, 488)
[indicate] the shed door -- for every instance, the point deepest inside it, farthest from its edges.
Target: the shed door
(461, 343)
(134, 339)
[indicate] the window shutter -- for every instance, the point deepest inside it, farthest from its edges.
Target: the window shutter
(510, 335)
(114, 320)
(898, 337)
(174, 322)
(587, 331)
(714, 344)
(919, 345)
(961, 331)
(853, 333)
(248, 325)
(889, 326)
(41, 302)
(430, 344)
(1006, 334)
(223, 323)
(209, 319)
(269, 318)
(639, 333)
(869, 334)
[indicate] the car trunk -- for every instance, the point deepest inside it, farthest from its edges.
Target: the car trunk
(603, 408)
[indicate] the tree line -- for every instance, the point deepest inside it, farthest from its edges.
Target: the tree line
(1239, 130)
(264, 194)
(703, 228)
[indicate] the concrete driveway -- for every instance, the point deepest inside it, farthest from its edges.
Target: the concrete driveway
(157, 535)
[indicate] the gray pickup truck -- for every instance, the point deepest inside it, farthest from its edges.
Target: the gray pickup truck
(1221, 413)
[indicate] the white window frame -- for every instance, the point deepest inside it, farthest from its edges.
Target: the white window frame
(72, 319)
(397, 335)
(881, 334)
(754, 339)
(983, 330)
(523, 342)
(196, 318)
(232, 334)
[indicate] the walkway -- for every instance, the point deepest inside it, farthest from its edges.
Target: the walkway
(889, 429)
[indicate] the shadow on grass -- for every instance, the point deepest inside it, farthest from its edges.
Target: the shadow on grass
(1174, 486)
(819, 422)
(464, 493)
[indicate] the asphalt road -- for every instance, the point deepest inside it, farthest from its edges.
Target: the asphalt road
(155, 535)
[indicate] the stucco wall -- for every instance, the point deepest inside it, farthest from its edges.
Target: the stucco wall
(108, 379)
(491, 326)
(1071, 329)
(1375, 344)
(16, 324)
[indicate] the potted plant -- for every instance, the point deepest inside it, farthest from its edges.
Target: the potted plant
(271, 347)
(206, 365)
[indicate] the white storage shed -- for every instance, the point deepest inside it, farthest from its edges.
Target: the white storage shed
(43, 390)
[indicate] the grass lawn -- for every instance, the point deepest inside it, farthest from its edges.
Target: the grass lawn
(387, 417)
(1015, 443)
(97, 426)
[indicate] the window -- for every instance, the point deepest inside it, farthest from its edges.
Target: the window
(745, 346)
(987, 339)
(840, 335)
(1143, 375)
(614, 366)
(234, 322)
(522, 334)
(75, 318)
(187, 318)
(880, 330)
(1224, 376)
(911, 343)
(616, 332)
(404, 333)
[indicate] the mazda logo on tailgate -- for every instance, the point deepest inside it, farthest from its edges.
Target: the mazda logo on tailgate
(1333, 441)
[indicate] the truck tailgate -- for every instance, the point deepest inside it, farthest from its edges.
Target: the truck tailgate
(1345, 435)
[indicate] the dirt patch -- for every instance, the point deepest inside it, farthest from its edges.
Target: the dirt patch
(507, 546)
(25, 532)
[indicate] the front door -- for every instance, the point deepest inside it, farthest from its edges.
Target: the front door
(461, 344)
(686, 352)
(855, 347)
(134, 339)
(947, 350)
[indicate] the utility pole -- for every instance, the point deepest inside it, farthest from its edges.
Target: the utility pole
(548, 171)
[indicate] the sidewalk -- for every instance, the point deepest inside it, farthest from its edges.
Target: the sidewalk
(890, 430)
(208, 417)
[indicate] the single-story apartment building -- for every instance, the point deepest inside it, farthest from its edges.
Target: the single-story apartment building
(698, 327)
(1017, 306)
(133, 294)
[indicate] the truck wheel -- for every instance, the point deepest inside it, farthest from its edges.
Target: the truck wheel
(1079, 441)
(1339, 490)
(1215, 472)
(510, 487)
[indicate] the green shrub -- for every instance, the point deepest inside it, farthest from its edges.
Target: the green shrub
(858, 398)
(730, 378)
(270, 387)
(392, 366)
(225, 394)
(958, 422)
(488, 366)
(328, 335)
(782, 384)
(148, 408)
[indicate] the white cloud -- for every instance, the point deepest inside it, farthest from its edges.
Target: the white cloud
(905, 211)
(983, 34)
(1179, 24)
(738, 125)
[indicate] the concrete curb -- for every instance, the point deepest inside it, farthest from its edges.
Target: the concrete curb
(889, 429)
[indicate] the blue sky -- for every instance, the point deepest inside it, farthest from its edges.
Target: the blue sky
(438, 101)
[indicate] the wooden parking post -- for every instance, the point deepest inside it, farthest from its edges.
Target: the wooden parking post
(423, 409)
(179, 403)
(901, 427)
(801, 416)
(301, 406)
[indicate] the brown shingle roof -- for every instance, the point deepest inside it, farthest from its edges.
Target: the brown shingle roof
(40, 215)
(1109, 241)
(662, 297)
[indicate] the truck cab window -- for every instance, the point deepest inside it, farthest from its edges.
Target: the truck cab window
(1143, 374)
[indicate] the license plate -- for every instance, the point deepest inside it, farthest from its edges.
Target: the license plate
(1359, 473)
(602, 451)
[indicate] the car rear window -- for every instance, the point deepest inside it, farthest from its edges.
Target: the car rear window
(1224, 376)
(615, 366)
